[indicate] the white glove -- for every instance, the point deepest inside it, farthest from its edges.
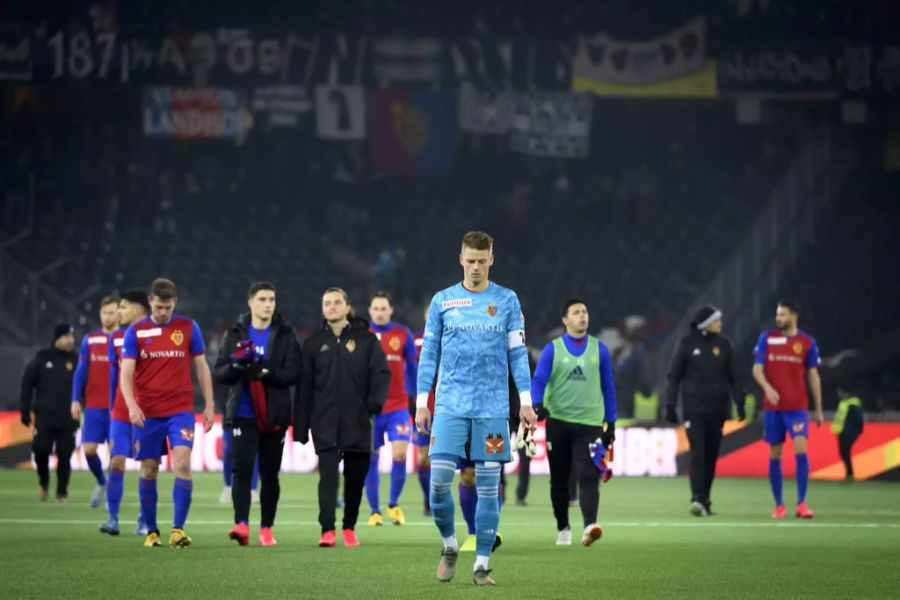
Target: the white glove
(524, 439)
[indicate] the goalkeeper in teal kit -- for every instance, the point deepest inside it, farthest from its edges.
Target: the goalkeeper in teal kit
(474, 336)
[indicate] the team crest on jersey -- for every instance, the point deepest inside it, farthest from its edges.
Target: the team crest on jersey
(797, 348)
(402, 428)
(798, 426)
(351, 345)
(69, 365)
(492, 310)
(494, 443)
(187, 434)
(395, 344)
(177, 337)
(716, 351)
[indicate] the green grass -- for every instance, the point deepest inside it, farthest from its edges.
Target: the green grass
(651, 548)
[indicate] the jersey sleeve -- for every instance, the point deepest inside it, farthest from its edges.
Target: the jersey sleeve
(431, 345)
(79, 379)
(129, 344)
(113, 371)
(759, 352)
(607, 384)
(813, 359)
(542, 375)
(517, 352)
(410, 356)
(198, 348)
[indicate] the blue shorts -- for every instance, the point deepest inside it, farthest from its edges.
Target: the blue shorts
(95, 429)
(421, 439)
(477, 440)
(177, 428)
(122, 436)
(396, 424)
(778, 422)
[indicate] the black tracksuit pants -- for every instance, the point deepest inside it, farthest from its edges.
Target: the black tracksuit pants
(567, 448)
(846, 439)
(246, 443)
(356, 464)
(705, 437)
(46, 435)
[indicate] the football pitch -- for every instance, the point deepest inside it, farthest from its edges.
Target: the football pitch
(652, 547)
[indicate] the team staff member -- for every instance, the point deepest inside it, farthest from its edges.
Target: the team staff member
(573, 387)
(343, 385)
(260, 360)
(48, 381)
(704, 369)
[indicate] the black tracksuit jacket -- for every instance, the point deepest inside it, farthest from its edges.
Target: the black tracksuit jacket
(705, 370)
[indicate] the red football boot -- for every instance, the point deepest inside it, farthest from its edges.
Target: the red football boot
(327, 540)
(350, 538)
(779, 512)
(266, 538)
(803, 512)
(240, 533)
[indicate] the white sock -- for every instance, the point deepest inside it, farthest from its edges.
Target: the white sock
(481, 561)
(450, 542)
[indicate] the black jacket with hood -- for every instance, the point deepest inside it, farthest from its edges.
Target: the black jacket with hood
(344, 385)
(282, 362)
(705, 370)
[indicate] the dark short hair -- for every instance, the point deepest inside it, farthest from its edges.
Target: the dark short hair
(137, 297)
(110, 299)
(259, 286)
(382, 294)
(346, 296)
(478, 240)
(569, 304)
(164, 289)
(790, 304)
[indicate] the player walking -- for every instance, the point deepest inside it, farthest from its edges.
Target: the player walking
(476, 330)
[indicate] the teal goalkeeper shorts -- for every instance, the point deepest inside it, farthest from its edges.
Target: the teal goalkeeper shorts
(468, 437)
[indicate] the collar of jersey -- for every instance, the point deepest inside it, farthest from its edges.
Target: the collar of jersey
(468, 291)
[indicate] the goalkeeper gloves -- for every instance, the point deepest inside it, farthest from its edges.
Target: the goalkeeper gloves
(600, 455)
(524, 439)
(609, 435)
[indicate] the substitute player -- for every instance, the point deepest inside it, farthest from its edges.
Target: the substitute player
(394, 420)
(133, 307)
(476, 332)
(573, 388)
(785, 359)
(157, 387)
(90, 386)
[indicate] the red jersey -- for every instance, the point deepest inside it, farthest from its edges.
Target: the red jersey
(785, 360)
(119, 408)
(163, 356)
(419, 340)
(94, 358)
(400, 351)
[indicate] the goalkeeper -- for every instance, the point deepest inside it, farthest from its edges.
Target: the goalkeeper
(573, 388)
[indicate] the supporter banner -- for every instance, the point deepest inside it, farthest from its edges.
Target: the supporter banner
(603, 58)
(282, 105)
(556, 124)
(408, 60)
(340, 113)
(412, 132)
(15, 53)
(194, 113)
(484, 112)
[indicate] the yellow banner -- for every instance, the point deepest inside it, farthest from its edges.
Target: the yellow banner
(700, 84)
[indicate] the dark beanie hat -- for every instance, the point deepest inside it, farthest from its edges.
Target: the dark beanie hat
(61, 330)
(702, 318)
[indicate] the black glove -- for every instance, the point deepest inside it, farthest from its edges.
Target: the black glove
(671, 415)
(741, 411)
(541, 411)
(25, 418)
(609, 435)
(255, 370)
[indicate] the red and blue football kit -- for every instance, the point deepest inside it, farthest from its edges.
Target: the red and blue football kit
(400, 351)
(423, 439)
(122, 434)
(91, 383)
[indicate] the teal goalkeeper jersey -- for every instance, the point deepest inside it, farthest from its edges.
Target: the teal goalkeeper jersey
(473, 340)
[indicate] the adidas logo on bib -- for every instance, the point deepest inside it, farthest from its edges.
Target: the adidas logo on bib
(576, 374)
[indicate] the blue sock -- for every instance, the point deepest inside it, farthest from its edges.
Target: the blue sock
(398, 480)
(443, 470)
(227, 468)
(114, 488)
(802, 476)
(775, 479)
(96, 467)
(254, 479)
(148, 496)
(487, 514)
(468, 503)
(181, 496)
(372, 484)
(425, 479)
